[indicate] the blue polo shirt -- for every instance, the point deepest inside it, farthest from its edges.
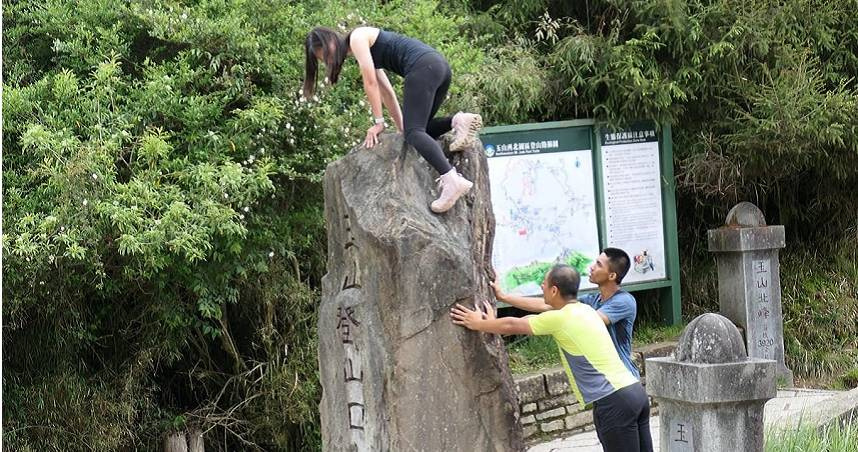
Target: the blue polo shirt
(621, 309)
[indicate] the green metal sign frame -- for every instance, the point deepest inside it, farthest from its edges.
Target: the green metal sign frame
(585, 134)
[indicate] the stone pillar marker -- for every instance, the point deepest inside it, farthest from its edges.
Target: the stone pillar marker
(710, 394)
(396, 373)
(749, 286)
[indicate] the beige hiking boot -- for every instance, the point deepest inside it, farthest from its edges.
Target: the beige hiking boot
(467, 127)
(453, 186)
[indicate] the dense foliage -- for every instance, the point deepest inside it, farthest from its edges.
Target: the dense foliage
(163, 236)
(164, 240)
(763, 100)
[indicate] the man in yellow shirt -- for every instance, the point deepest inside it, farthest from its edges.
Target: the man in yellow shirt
(596, 373)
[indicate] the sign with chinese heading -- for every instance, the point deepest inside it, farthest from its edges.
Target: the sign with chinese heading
(563, 191)
(631, 178)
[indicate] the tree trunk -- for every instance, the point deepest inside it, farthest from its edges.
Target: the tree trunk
(176, 442)
(195, 440)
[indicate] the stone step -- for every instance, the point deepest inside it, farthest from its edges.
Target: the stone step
(797, 406)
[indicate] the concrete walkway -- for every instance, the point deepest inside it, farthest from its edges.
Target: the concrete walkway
(785, 409)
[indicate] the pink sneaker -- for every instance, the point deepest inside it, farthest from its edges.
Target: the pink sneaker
(453, 186)
(467, 127)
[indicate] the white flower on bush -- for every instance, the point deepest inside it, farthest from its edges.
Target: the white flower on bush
(271, 254)
(85, 202)
(246, 209)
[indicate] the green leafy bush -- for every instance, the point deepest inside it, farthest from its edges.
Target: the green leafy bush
(164, 238)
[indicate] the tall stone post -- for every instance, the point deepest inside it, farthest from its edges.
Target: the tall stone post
(749, 284)
(396, 374)
(710, 394)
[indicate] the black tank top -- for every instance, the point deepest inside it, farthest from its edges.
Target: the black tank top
(397, 53)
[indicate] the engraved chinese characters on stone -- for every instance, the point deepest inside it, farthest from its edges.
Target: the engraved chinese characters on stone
(352, 278)
(345, 322)
(761, 295)
(681, 437)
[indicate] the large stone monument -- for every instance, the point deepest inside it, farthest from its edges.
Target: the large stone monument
(710, 394)
(396, 374)
(749, 285)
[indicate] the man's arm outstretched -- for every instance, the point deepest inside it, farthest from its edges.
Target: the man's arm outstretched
(529, 304)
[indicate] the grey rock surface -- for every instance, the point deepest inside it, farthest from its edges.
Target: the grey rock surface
(397, 375)
(745, 214)
(710, 338)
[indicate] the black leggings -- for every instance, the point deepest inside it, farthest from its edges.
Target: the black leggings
(622, 420)
(425, 88)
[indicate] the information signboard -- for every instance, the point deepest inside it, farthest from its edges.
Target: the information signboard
(544, 200)
(631, 180)
(563, 191)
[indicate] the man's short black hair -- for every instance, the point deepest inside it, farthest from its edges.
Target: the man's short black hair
(618, 262)
(566, 279)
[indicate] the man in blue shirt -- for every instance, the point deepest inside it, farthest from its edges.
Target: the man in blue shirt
(616, 307)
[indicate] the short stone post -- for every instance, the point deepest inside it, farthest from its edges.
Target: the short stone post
(749, 285)
(710, 394)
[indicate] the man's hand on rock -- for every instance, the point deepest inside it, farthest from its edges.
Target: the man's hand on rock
(499, 294)
(490, 311)
(471, 318)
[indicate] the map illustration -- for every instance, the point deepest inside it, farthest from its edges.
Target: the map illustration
(545, 211)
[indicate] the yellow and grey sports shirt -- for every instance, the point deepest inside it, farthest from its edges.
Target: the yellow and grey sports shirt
(592, 364)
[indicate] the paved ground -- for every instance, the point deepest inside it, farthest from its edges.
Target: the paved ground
(789, 405)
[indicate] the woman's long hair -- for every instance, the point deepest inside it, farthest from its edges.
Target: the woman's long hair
(334, 48)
